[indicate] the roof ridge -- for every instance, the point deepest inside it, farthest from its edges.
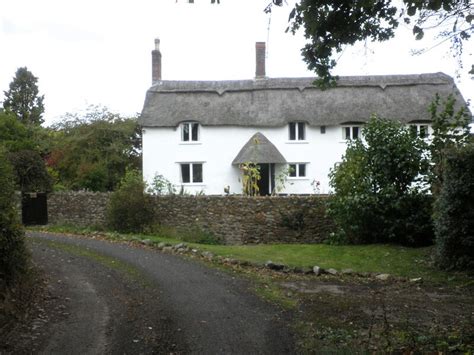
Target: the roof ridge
(300, 83)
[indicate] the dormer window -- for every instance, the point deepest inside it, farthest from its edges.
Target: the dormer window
(420, 130)
(190, 132)
(297, 131)
(351, 132)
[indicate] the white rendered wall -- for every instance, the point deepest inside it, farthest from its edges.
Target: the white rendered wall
(163, 152)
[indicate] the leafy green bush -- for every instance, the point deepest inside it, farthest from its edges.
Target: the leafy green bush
(379, 191)
(454, 211)
(130, 209)
(13, 254)
(30, 170)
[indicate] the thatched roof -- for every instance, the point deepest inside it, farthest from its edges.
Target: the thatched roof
(275, 102)
(259, 150)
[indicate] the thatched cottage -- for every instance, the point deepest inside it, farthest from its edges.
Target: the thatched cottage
(197, 133)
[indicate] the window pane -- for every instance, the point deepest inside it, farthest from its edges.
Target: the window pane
(195, 127)
(185, 132)
(301, 131)
(413, 130)
(347, 132)
(323, 129)
(355, 132)
(302, 170)
(197, 172)
(292, 127)
(292, 170)
(423, 131)
(185, 173)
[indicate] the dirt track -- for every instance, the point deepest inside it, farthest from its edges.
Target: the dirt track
(112, 298)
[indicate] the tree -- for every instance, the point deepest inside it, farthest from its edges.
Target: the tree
(93, 150)
(22, 98)
(329, 25)
(450, 130)
(379, 190)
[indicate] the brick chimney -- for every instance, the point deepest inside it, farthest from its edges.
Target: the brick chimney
(260, 60)
(156, 62)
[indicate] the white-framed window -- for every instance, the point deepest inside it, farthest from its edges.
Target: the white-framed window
(190, 132)
(297, 170)
(191, 173)
(351, 132)
(420, 129)
(297, 131)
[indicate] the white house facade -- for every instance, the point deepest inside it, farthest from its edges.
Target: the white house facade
(198, 133)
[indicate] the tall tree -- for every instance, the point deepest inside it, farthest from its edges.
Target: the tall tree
(23, 98)
(330, 25)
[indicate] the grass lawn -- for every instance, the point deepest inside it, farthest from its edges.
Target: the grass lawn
(394, 260)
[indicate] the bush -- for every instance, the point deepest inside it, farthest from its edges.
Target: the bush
(30, 170)
(13, 255)
(454, 211)
(130, 209)
(379, 192)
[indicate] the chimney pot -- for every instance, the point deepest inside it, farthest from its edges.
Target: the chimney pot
(260, 53)
(156, 62)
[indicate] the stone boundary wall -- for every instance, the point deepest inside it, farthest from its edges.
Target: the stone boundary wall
(245, 220)
(233, 219)
(82, 209)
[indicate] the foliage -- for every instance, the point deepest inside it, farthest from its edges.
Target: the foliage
(14, 135)
(454, 211)
(31, 174)
(281, 180)
(161, 186)
(130, 209)
(22, 98)
(250, 178)
(331, 25)
(13, 254)
(93, 150)
(450, 130)
(379, 188)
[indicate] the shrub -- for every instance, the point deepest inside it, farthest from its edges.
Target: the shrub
(454, 211)
(379, 191)
(130, 209)
(13, 255)
(30, 170)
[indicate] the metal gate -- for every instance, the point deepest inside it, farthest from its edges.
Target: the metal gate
(34, 208)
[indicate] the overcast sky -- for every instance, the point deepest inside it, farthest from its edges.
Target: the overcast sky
(99, 52)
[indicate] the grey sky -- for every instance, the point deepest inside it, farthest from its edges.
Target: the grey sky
(98, 52)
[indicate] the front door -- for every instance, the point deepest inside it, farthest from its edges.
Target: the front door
(267, 179)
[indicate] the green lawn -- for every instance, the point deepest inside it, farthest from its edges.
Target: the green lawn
(394, 260)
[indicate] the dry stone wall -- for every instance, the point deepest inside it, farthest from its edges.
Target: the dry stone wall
(244, 220)
(232, 219)
(82, 209)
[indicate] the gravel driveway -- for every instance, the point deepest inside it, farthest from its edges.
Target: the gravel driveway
(150, 303)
